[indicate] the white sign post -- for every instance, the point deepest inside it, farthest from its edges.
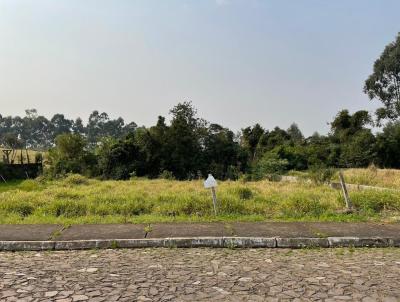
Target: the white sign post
(211, 183)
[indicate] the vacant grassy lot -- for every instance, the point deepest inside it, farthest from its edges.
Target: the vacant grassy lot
(80, 200)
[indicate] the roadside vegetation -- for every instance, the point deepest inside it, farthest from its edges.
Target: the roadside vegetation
(77, 199)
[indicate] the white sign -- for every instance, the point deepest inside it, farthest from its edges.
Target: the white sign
(210, 182)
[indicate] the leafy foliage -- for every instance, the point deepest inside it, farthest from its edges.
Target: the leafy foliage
(70, 155)
(384, 83)
(270, 166)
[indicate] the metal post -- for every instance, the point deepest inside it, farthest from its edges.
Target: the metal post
(349, 205)
(214, 196)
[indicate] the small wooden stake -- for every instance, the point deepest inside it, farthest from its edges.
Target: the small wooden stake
(214, 196)
(349, 205)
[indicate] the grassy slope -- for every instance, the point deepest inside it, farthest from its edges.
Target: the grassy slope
(78, 200)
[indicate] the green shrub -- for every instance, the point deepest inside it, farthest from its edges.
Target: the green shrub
(71, 155)
(29, 185)
(167, 175)
(42, 179)
(22, 208)
(321, 175)
(67, 208)
(75, 180)
(270, 166)
(244, 193)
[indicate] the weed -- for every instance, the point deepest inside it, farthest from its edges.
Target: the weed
(244, 193)
(55, 234)
(231, 245)
(339, 251)
(114, 244)
(320, 234)
(23, 208)
(148, 228)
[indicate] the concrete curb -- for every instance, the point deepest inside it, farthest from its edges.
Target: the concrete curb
(214, 242)
(300, 242)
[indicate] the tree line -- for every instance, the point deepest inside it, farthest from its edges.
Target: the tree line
(190, 147)
(36, 132)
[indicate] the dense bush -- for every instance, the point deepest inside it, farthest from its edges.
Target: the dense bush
(70, 155)
(321, 175)
(270, 166)
(76, 179)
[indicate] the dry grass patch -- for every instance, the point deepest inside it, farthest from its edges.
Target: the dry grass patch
(388, 178)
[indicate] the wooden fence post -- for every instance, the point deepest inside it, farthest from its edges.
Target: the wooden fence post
(349, 205)
(214, 196)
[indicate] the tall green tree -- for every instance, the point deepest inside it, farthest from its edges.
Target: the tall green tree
(253, 140)
(388, 146)
(183, 141)
(60, 125)
(295, 134)
(345, 125)
(118, 160)
(384, 83)
(221, 154)
(352, 142)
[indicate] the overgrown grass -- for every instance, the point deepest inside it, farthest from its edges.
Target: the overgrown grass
(388, 178)
(76, 199)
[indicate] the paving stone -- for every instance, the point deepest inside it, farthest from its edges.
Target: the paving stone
(201, 275)
(8, 293)
(389, 299)
(50, 294)
(79, 298)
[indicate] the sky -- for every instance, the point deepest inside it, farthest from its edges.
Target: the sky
(240, 62)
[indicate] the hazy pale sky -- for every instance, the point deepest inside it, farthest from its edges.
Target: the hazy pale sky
(239, 61)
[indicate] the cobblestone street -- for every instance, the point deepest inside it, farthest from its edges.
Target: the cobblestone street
(202, 275)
